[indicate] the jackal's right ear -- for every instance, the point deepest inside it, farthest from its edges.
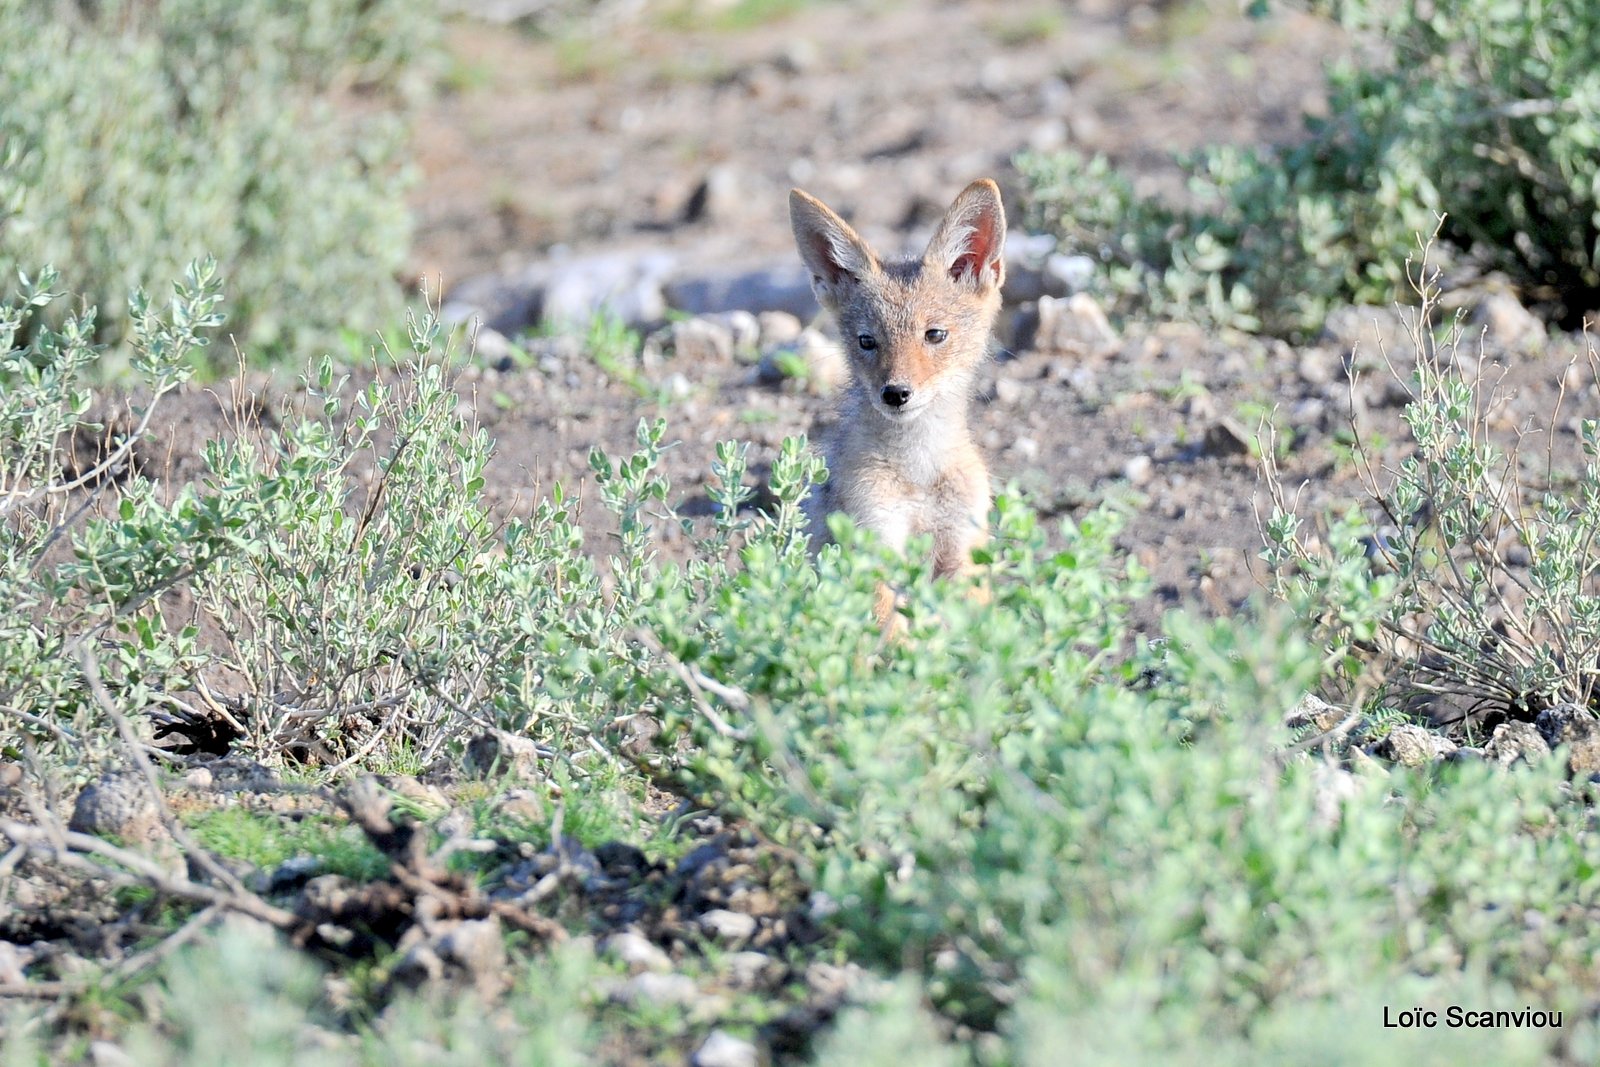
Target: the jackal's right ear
(831, 250)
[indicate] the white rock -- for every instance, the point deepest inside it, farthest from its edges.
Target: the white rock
(701, 341)
(728, 927)
(747, 969)
(653, 988)
(1073, 272)
(778, 328)
(1009, 391)
(1073, 326)
(637, 952)
(1506, 321)
(744, 327)
(722, 1049)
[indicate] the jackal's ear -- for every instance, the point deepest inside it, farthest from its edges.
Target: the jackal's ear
(969, 244)
(831, 250)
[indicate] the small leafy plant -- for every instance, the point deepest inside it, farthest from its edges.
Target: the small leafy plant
(1474, 576)
(75, 587)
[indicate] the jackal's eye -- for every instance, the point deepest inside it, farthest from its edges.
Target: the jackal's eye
(936, 336)
(867, 342)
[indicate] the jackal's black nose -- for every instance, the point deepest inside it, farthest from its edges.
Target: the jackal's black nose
(896, 395)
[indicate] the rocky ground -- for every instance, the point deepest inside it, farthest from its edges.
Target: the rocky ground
(642, 166)
(630, 164)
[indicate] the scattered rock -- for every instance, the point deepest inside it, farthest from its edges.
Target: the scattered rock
(1319, 366)
(700, 341)
(491, 347)
(821, 907)
(1227, 437)
(1073, 326)
(294, 872)
(566, 290)
(13, 958)
(618, 859)
(637, 952)
(745, 329)
(639, 733)
(1516, 741)
(1028, 263)
(507, 303)
(797, 57)
(722, 1049)
(523, 804)
(109, 1054)
(811, 357)
(429, 799)
(716, 198)
(1139, 470)
(120, 804)
(1334, 787)
(1577, 727)
(499, 752)
(778, 328)
(748, 969)
(1505, 321)
(466, 950)
(1370, 330)
(652, 987)
(1009, 391)
(623, 285)
(678, 386)
(1316, 713)
(199, 779)
(1025, 449)
(1073, 274)
(1366, 766)
(1413, 746)
(1308, 413)
(777, 288)
(503, 12)
(834, 981)
(728, 927)
(1201, 406)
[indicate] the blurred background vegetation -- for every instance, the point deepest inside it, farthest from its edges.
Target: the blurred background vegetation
(137, 135)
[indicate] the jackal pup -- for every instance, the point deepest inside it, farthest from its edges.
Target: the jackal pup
(901, 458)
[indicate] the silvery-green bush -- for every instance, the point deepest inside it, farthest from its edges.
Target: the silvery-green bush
(1470, 575)
(74, 584)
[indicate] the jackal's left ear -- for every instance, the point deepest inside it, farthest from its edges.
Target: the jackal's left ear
(970, 242)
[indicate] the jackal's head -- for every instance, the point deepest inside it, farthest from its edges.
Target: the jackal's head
(915, 330)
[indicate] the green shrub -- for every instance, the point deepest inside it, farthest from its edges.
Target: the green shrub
(379, 611)
(101, 595)
(1474, 576)
(1063, 831)
(139, 135)
(1485, 112)
(1489, 112)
